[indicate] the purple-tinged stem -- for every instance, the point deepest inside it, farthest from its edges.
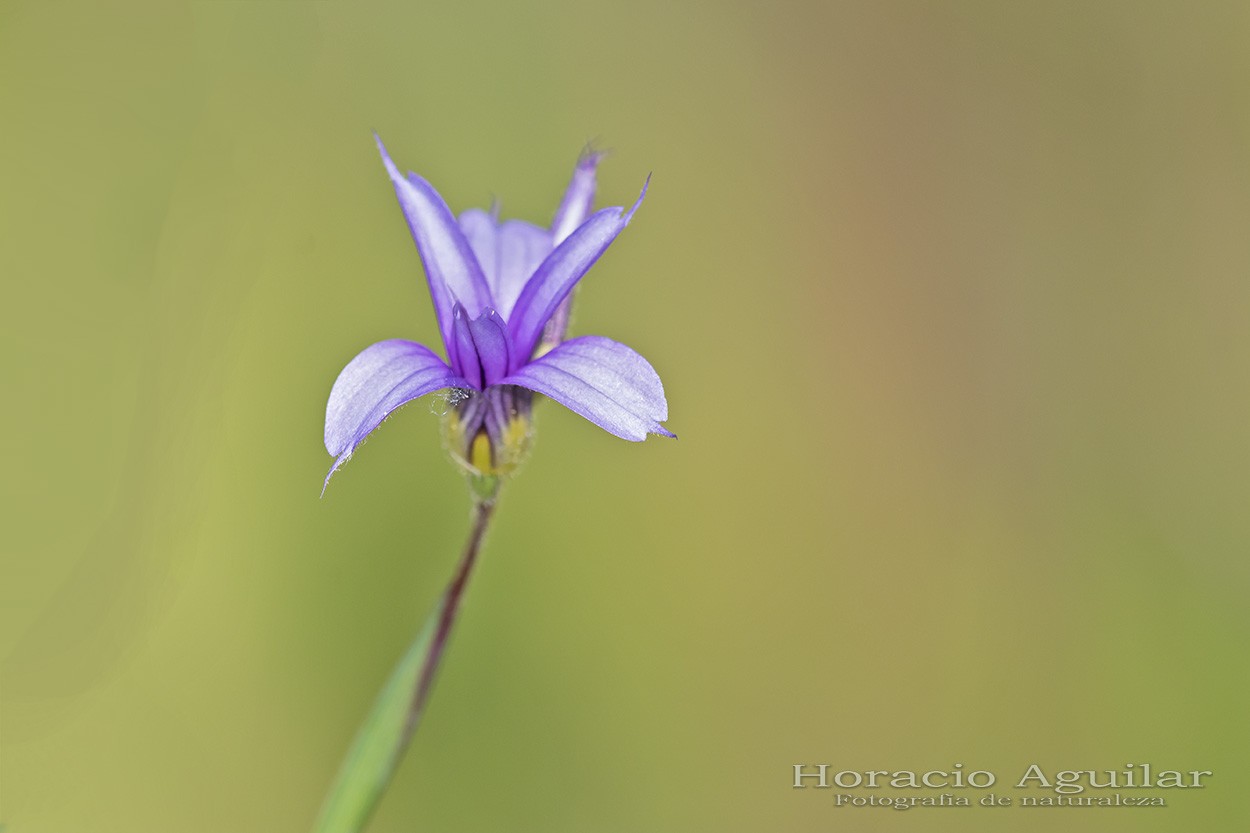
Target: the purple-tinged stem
(381, 741)
(450, 606)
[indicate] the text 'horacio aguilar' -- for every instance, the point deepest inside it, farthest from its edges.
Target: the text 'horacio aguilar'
(1064, 782)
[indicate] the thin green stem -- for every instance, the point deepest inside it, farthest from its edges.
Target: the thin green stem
(380, 743)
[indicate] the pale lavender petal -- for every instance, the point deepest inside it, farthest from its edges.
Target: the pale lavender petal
(578, 198)
(450, 265)
(522, 248)
(561, 271)
(479, 229)
(383, 377)
(604, 381)
(508, 253)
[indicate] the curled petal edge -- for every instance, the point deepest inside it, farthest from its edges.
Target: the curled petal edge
(380, 379)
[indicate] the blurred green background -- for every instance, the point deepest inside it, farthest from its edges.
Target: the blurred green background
(950, 301)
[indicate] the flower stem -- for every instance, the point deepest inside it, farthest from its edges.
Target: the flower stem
(448, 607)
(391, 723)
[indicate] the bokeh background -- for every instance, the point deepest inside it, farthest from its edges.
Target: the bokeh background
(951, 305)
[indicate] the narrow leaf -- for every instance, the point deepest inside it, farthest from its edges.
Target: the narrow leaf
(381, 741)
(376, 751)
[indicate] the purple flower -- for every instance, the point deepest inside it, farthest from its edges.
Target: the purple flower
(501, 293)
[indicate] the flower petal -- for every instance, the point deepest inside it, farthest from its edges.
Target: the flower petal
(482, 352)
(451, 268)
(490, 339)
(463, 352)
(561, 271)
(580, 195)
(383, 377)
(508, 253)
(573, 210)
(478, 227)
(604, 381)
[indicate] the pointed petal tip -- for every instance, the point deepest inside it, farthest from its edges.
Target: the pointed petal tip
(343, 458)
(645, 185)
(391, 169)
(657, 429)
